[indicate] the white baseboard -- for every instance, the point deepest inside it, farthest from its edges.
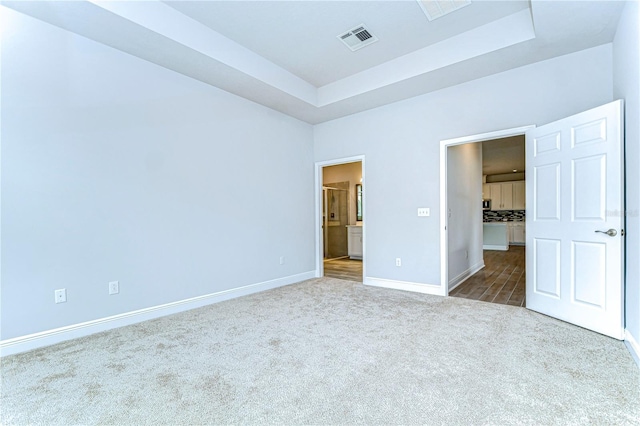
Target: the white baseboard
(50, 337)
(495, 247)
(405, 285)
(455, 282)
(633, 346)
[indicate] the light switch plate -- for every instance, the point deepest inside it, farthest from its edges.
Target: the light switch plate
(424, 211)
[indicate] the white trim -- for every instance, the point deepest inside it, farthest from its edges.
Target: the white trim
(444, 144)
(632, 345)
(318, 207)
(465, 275)
(50, 337)
(495, 247)
(516, 131)
(434, 289)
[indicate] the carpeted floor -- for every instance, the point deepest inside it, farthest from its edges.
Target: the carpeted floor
(327, 351)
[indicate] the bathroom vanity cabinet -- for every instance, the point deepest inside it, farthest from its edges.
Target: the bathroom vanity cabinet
(354, 238)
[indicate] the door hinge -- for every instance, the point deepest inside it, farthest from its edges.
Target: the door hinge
(622, 232)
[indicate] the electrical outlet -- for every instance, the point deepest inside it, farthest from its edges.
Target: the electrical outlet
(114, 287)
(424, 211)
(61, 295)
(398, 261)
(282, 260)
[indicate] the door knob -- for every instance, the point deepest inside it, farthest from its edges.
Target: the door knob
(611, 232)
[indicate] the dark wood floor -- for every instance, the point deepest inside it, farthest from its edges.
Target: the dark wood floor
(345, 269)
(500, 281)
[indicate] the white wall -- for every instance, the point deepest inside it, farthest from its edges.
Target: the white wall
(626, 78)
(464, 204)
(401, 144)
(116, 169)
(350, 172)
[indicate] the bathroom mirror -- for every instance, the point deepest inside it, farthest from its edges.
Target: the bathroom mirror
(359, 202)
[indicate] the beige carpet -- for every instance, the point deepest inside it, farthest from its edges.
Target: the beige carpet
(328, 351)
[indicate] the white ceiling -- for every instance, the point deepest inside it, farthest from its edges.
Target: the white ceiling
(500, 156)
(300, 36)
(285, 54)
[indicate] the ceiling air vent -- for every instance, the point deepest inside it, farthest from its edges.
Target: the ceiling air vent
(357, 38)
(435, 9)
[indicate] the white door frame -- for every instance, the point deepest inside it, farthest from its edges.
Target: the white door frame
(319, 165)
(444, 234)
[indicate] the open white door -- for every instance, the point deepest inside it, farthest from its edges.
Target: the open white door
(575, 219)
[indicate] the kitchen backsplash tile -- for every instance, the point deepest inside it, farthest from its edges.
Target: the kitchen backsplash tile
(503, 215)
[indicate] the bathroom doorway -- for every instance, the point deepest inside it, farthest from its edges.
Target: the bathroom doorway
(341, 220)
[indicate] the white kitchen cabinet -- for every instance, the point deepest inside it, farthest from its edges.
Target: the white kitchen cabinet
(495, 195)
(486, 191)
(507, 196)
(516, 233)
(354, 241)
(519, 195)
(501, 196)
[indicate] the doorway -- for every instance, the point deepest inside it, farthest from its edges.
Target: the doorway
(486, 209)
(340, 217)
(447, 210)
